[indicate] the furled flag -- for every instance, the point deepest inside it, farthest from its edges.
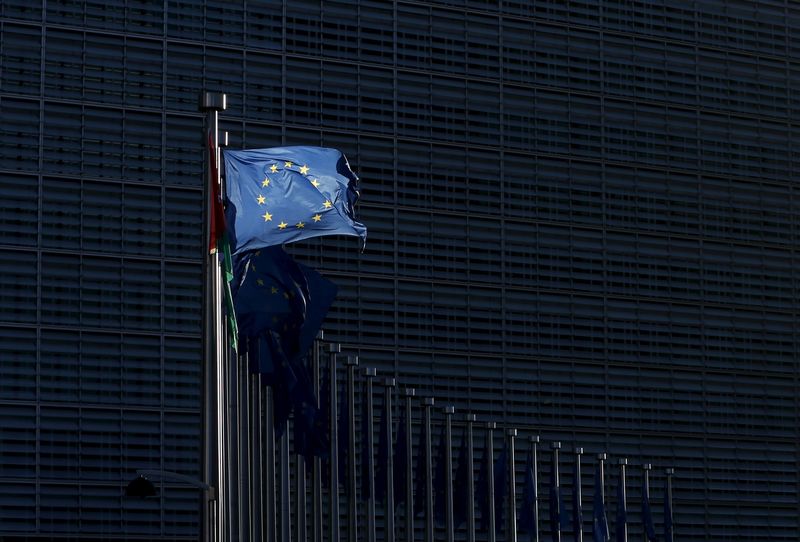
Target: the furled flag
(599, 521)
(461, 502)
(343, 432)
(321, 429)
(285, 194)
(668, 535)
(400, 459)
(528, 511)
(647, 514)
(366, 448)
(500, 487)
(421, 478)
(382, 466)
(482, 489)
(558, 514)
(440, 479)
(577, 505)
(622, 512)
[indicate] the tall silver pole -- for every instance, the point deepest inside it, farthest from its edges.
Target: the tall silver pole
(646, 468)
(624, 492)
(243, 430)
(257, 459)
(211, 103)
(316, 475)
(388, 389)
(408, 394)
(534, 440)
(470, 419)
(578, 496)
(369, 374)
(511, 535)
(271, 516)
(352, 497)
(556, 446)
(427, 403)
(669, 536)
(300, 496)
(286, 500)
(601, 462)
(448, 472)
(490, 427)
(333, 492)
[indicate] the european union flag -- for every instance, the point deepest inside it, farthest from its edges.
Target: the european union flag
(528, 512)
(599, 520)
(421, 478)
(668, 528)
(647, 513)
(622, 512)
(382, 467)
(285, 194)
(500, 487)
(461, 502)
(400, 459)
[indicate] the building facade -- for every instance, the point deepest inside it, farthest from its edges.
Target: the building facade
(582, 223)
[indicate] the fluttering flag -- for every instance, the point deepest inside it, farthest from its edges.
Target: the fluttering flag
(500, 487)
(421, 478)
(440, 480)
(461, 502)
(528, 512)
(482, 489)
(622, 512)
(599, 520)
(382, 466)
(366, 449)
(285, 194)
(399, 463)
(668, 534)
(577, 505)
(647, 514)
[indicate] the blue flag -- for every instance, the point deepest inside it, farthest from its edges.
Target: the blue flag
(482, 490)
(382, 467)
(528, 511)
(558, 515)
(668, 535)
(599, 521)
(440, 480)
(421, 478)
(321, 429)
(285, 194)
(400, 459)
(647, 514)
(461, 502)
(622, 512)
(500, 487)
(577, 506)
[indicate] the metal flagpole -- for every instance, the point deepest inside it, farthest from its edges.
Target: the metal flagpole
(448, 412)
(211, 103)
(511, 535)
(243, 408)
(534, 440)
(601, 460)
(646, 488)
(270, 515)
(624, 492)
(316, 475)
(470, 419)
(669, 533)
(427, 403)
(489, 449)
(389, 384)
(300, 495)
(578, 498)
(236, 519)
(333, 492)
(369, 374)
(556, 446)
(257, 459)
(286, 501)
(408, 394)
(352, 497)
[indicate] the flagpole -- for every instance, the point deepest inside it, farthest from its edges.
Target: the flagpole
(408, 394)
(601, 460)
(300, 494)
(243, 418)
(211, 103)
(316, 475)
(269, 464)
(534, 440)
(470, 419)
(389, 384)
(286, 503)
(578, 522)
(669, 525)
(352, 363)
(427, 404)
(333, 491)
(511, 536)
(370, 373)
(257, 458)
(489, 449)
(448, 412)
(556, 446)
(646, 490)
(624, 493)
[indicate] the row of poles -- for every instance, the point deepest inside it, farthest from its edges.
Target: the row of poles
(266, 493)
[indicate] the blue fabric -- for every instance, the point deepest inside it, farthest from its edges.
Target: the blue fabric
(668, 534)
(500, 487)
(647, 514)
(421, 478)
(558, 514)
(482, 489)
(622, 512)
(528, 513)
(400, 459)
(440, 480)
(461, 502)
(382, 466)
(599, 521)
(285, 194)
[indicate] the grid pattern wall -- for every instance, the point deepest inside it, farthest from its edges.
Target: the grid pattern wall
(583, 223)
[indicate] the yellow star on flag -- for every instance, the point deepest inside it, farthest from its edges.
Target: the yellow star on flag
(282, 225)
(317, 218)
(327, 204)
(274, 290)
(273, 168)
(265, 182)
(260, 282)
(315, 183)
(261, 199)
(287, 164)
(304, 170)
(300, 225)
(267, 217)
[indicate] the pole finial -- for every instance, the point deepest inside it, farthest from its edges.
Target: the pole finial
(213, 101)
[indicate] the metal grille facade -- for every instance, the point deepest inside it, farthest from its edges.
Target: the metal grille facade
(583, 223)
